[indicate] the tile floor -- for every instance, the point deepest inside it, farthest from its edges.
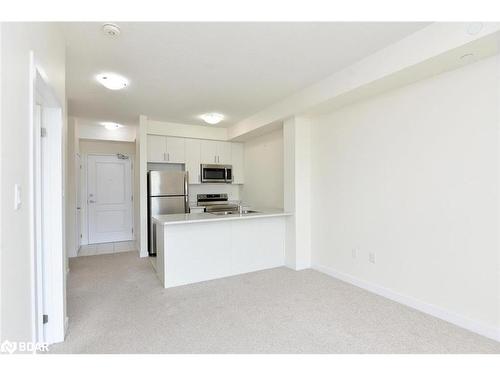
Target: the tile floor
(107, 248)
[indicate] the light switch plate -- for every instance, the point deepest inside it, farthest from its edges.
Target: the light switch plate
(17, 197)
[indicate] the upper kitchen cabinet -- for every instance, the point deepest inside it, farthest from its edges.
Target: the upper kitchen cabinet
(237, 158)
(224, 153)
(176, 150)
(193, 160)
(157, 148)
(215, 152)
(208, 152)
(163, 149)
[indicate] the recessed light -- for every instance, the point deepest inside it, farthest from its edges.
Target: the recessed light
(212, 118)
(112, 81)
(111, 125)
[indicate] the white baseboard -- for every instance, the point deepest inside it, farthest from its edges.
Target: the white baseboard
(491, 332)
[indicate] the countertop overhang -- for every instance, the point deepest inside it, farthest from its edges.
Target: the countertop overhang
(176, 219)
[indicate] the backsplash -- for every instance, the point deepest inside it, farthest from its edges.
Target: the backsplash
(232, 191)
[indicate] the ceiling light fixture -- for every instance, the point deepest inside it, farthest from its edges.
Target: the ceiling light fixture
(111, 125)
(112, 81)
(212, 118)
(111, 30)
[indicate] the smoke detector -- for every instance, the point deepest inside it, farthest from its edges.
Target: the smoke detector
(110, 29)
(467, 58)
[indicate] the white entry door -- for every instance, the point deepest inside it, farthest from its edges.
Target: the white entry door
(109, 198)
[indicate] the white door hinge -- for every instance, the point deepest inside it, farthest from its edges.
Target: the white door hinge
(43, 132)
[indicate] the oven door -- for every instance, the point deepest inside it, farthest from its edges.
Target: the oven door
(213, 173)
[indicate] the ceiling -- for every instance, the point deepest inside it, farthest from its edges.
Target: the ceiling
(178, 71)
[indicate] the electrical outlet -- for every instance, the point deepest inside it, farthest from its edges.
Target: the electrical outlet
(354, 253)
(371, 257)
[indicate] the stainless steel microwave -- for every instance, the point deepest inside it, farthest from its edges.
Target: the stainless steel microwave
(216, 173)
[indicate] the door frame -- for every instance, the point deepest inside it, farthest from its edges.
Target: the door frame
(78, 198)
(47, 262)
(84, 193)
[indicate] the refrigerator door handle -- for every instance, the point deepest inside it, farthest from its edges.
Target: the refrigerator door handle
(186, 191)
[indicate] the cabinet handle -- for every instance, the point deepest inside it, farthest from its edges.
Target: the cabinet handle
(165, 156)
(168, 156)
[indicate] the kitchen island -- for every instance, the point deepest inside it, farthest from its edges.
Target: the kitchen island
(204, 246)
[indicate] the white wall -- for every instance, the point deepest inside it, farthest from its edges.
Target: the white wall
(91, 146)
(185, 130)
(141, 149)
(412, 176)
(71, 171)
(297, 191)
(264, 170)
(18, 39)
(89, 129)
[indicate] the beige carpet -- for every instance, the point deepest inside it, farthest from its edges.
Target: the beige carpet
(117, 305)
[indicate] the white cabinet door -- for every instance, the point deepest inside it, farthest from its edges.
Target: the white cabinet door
(208, 152)
(176, 152)
(193, 160)
(237, 160)
(223, 152)
(157, 148)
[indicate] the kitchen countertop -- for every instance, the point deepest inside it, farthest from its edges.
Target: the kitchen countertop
(175, 219)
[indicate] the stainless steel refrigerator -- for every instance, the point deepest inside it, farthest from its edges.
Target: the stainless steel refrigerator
(167, 194)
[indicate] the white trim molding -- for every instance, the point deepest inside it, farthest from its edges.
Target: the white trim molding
(438, 312)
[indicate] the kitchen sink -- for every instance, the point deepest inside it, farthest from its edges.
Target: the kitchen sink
(223, 213)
